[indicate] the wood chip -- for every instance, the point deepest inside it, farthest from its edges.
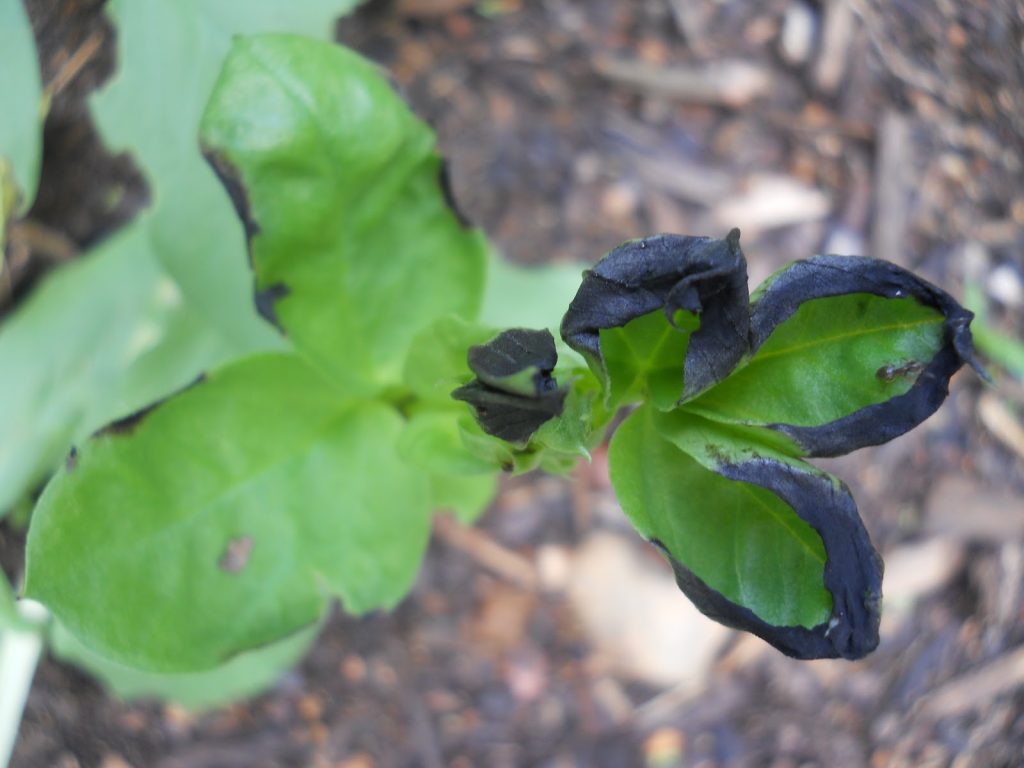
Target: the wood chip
(976, 688)
(732, 83)
(1002, 422)
(893, 177)
(961, 507)
(840, 24)
(487, 552)
(772, 201)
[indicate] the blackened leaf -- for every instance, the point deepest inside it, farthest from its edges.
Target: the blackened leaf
(514, 418)
(671, 273)
(846, 352)
(758, 541)
(518, 361)
(514, 392)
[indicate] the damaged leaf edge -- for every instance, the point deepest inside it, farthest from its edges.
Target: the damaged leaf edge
(879, 423)
(852, 572)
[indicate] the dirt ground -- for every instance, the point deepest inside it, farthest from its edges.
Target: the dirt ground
(550, 635)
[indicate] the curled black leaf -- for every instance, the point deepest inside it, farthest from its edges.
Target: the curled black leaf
(853, 569)
(701, 275)
(514, 392)
(827, 276)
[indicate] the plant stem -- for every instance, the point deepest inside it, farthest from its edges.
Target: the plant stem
(20, 646)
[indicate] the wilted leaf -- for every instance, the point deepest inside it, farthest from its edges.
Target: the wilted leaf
(340, 187)
(514, 392)
(846, 352)
(225, 517)
(679, 276)
(758, 541)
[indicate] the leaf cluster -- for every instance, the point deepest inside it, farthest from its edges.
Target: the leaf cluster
(728, 394)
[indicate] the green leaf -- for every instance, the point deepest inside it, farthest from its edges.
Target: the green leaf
(644, 359)
(846, 352)
(169, 53)
(758, 540)
(244, 675)
(353, 240)
(468, 496)
(437, 360)
(829, 360)
(21, 105)
(741, 539)
(575, 431)
(225, 517)
(432, 442)
(528, 297)
(100, 338)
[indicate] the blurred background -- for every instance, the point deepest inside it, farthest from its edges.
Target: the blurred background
(552, 635)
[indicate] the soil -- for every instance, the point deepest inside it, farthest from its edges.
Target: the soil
(889, 128)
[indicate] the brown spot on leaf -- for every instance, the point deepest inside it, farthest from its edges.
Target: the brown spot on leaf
(72, 460)
(236, 554)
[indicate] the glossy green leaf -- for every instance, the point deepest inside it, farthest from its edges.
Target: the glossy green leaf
(100, 338)
(846, 351)
(223, 519)
(644, 359)
(740, 539)
(21, 106)
(244, 675)
(437, 360)
(353, 240)
(829, 360)
(168, 54)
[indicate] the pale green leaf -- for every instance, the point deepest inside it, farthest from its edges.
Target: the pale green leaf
(244, 675)
(169, 53)
(353, 237)
(226, 517)
(21, 108)
(101, 337)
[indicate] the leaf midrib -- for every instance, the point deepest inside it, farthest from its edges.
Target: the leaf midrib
(822, 341)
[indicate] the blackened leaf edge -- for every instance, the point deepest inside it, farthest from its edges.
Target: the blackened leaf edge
(832, 275)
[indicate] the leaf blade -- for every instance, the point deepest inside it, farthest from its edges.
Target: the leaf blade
(780, 568)
(342, 184)
(846, 352)
(234, 509)
(21, 95)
